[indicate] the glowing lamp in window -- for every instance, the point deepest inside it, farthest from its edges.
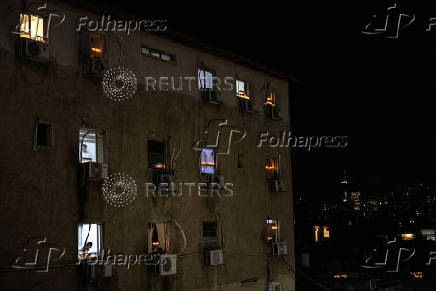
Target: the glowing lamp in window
(96, 46)
(326, 232)
(271, 167)
(316, 233)
(272, 230)
(407, 236)
(271, 99)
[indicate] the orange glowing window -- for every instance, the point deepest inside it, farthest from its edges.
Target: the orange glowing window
(33, 27)
(316, 233)
(326, 232)
(271, 99)
(96, 46)
(272, 168)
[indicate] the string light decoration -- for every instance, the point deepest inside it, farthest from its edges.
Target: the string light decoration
(119, 190)
(119, 84)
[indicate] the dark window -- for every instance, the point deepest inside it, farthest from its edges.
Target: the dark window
(210, 229)
(156, 154)
(44, 135)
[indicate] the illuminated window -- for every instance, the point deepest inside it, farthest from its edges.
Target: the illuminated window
(157, 54)
(89, 240)
(417, 275)
(271, 99)
(407, 236)
(272, 168)
(33, 27)
(208, 161)
(326, 232)
(96, 46)
(428, 234)
(205, 78)
(272, 230)
(158, 237)
(241, 89)
(157, 154)
(91, 145)
(316, 233)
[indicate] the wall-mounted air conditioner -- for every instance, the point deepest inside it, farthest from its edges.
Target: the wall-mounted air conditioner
(95, 66)
(272, 112)
(98, 271)
(166, 180)
(212, 96)
(278, 186)
(214, 257)
(34, 50)
(246, 106)
(216, 180)
(94, 170)
(274, 286)
(279, 248)
(167, 264)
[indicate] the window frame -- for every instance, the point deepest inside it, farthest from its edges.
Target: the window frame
(214, 166)
(36, 131)
(158, 54)
(100, 238)
(99, 134)
(165, 156)
(28, 32)
(206, 70)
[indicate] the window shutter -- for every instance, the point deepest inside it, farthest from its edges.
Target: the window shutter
(100, 146)
(250, 89)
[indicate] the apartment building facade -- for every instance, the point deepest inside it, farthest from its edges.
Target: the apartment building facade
(141, 145)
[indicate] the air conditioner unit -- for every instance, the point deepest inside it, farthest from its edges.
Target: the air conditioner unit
(98, 271)
(274, 286)
(165, 178)
(272, 112)
(216, 179)
(34, 50)
(279, 248)
(214, 257)
(212, 96)
(94, 170)
(95, 66)
(278, 186)
(246, 105)
(167, 264)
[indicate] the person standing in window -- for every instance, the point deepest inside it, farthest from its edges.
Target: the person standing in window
(86, 156)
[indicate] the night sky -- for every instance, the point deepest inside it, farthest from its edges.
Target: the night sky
(377, 91)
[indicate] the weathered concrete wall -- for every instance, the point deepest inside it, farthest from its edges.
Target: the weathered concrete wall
(39, 189)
